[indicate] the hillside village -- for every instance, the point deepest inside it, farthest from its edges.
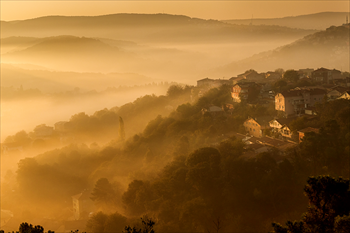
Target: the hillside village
(294, 94)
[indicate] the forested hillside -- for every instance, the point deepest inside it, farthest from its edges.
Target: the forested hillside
(182, 169)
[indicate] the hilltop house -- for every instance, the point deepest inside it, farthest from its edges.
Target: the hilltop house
(252, 76)
(255, 127)
(243, 91)
(295, 101)
(325, 76)
(306, 130)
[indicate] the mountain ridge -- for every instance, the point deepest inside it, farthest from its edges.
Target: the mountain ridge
(318, 21)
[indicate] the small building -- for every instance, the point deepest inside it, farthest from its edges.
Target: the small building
(295, 101)
(277, 124)
(82, 205)
(255, 127)
(325, 76)
(272, 76)
(306, 130)
(252, 76)
(305, 73)
(345, 95)
(242, 91)
(286, 132)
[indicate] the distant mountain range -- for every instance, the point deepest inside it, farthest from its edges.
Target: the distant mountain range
(328, 48)
(319, 21)
(150, 28)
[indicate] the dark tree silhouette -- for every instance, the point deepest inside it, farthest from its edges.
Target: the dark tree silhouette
(147, 227)
(328, 210)
(29, 228)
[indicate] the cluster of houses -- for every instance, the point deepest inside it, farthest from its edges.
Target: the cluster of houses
(291, 104)
(301, 100)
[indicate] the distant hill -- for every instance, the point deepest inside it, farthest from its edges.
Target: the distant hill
(150, 28)
(318, 21)
(70, 53)
(328, 48)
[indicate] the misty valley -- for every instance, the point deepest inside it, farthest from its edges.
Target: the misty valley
(166, 123)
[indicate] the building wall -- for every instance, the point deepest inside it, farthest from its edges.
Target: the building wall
(253, 128)
(286, 132)
(236, 90)
(296, 103)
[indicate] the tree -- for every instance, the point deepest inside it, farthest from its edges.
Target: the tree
(121, 129)
(29, 228)
(97, 222)
(147, 227)
(328, 210)
(175, 90)
(291, 75)
(103, 192)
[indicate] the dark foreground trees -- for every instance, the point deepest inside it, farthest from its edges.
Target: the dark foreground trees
(328, 210)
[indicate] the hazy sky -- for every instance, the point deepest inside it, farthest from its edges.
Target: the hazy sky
(17, 10)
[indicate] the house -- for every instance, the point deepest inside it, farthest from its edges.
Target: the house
(345, 95)
(335, 92)
(277, 124)
(212, 83)
(272, 76)
(235, 80)
(295, 101)
(286, 132)
(305, 73)
(325, 76)
(306, 130)
(243, 91)
(255, 127)
(252, 76)
(82, 205)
